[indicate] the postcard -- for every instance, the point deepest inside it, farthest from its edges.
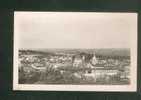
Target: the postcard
(75, 51)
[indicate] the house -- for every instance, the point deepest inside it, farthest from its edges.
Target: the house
(101, 72)
(78, 61)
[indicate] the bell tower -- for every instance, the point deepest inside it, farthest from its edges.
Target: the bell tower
(94, 59)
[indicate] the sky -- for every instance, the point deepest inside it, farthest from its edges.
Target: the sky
(74, 29)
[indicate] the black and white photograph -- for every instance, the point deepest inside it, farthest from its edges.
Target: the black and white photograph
(75, 51)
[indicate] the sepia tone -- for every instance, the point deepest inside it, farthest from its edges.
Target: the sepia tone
(65, 50)
(74, 66)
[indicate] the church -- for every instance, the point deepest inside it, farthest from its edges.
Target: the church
(80, 61)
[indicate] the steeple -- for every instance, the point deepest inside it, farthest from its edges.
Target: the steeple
(94, 59)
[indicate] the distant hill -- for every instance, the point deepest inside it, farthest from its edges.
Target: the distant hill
(113, 52)
(103, 52)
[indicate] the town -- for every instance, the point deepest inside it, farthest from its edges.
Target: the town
(72, 68)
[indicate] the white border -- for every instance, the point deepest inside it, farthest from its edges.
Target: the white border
(114, 88)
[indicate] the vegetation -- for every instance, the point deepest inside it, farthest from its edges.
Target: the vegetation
(68, 74)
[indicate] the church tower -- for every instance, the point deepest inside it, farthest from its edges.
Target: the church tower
(94, 60)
